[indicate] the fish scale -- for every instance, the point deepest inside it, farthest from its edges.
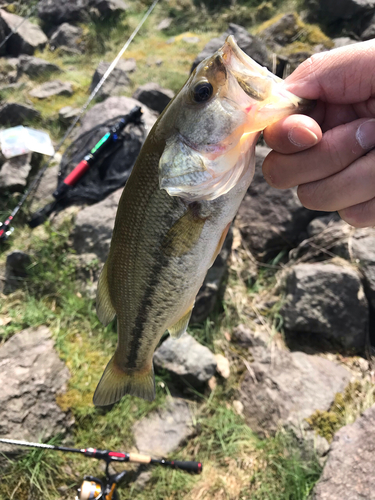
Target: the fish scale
(172, 220)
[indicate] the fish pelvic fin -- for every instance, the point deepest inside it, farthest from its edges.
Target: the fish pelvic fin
(116, 383)
(104, 308)
(180, 327)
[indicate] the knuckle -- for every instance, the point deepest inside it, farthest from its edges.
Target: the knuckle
(310, 196)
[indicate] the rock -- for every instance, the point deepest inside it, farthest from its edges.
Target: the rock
(35, 67)
(349, 471)
(186, 360)
(164, 24)
(222, 366)
(154, 96)
(338, 10)
(327, 300)
(342, 41)
(362, 249)
(31, 376)
(46, 187)
(67, 114)
(212, 287)
(190, 39)
(56, 13)
(51, 89)
(27, 38)
(164, 430)
(93, 227)
(238, 407)
(16, 270)
(14, 173)
(142, 480)
(270, 220)
(13, 114)
(284, 388)
(246, 337)
(106, 7)
(283, 31)
(250, 44)
(67, 35)
(117, 82)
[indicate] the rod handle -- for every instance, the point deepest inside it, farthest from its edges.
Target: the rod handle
(195, 467)
(140, 459)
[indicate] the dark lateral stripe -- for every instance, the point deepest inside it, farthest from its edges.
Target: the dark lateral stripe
(144, 309)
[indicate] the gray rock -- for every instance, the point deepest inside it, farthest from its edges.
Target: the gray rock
(117, 82)
(93, 227)
(342, 41)
(349, 471)
(31, 376)
(51, 89)
(190, 39)
(362, 249)
(35, 67)
(250, 44)
(16, 270)
(106, 7)
(245, 336)
(13, 114)
(59, 12)
(46, 187)
(164, 24)
(67, 114)
(337, 10)
(283, 31)
(327, 300)
(154, 96)
(270, 220)
(212, 287)
(28, 37)
(164, 430)
(283, 388)
(142, 480)
(14, 173)
(186, 360)
(67, 35)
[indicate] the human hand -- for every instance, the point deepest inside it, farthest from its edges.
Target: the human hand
(330, 155)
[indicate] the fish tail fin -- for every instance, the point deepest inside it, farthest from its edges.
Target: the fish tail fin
(115, 383)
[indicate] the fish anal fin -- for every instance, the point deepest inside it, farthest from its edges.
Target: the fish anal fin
(180, 327)
(104, 307)
(220, 243)
(116, 383)
(184, 233)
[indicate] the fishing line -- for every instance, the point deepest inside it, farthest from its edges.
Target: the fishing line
(5, 226)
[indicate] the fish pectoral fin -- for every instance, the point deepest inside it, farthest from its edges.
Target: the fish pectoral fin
(116, 383)
(184, 234)
(104, 308)
(180, 327)
(220, 244)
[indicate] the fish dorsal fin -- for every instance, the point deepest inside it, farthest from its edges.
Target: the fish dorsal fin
(104, 308)
(180, 327)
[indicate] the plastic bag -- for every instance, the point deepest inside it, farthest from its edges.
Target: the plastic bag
(20, 140)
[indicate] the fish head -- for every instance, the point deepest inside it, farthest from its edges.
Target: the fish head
(215, 120)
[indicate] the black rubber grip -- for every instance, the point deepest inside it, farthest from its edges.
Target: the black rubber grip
(195, 467)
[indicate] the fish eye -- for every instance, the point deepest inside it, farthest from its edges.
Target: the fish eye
(202, 92)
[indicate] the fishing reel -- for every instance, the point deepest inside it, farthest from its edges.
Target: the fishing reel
(94, 488)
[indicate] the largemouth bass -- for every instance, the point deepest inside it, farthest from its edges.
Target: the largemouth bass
(177, 206)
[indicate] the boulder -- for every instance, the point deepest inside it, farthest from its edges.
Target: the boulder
(212, 288)
(117, 82)
(165, 429)
(93, 227)
(67, 114)
(164, 24)
(283, 31)
(246, 337)
(336, 11)
(16, 270)
(342, 41)
(31, 377)
(51, 89)
(362, 249)
(154, 96)
(28, 37)
(106, 7)
(14, 173)
(46, 187)
(188, 362)
(67, 35)
(13, 114)
(349, 471)
(283, 388)
(35, 67)
(250, 44)
(271, 220)
(56, 13)
(327, 300)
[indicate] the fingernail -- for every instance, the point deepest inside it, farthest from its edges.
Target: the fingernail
(302, 137)
(365, 134)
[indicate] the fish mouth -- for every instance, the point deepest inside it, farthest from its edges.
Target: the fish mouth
(258, 82)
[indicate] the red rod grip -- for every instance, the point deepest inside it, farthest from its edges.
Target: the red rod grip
(77, 173)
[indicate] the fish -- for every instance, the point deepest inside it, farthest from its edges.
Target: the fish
(177, 207)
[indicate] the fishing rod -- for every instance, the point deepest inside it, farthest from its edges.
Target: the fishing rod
(110, 138)
(5, 227)
(92, 487)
